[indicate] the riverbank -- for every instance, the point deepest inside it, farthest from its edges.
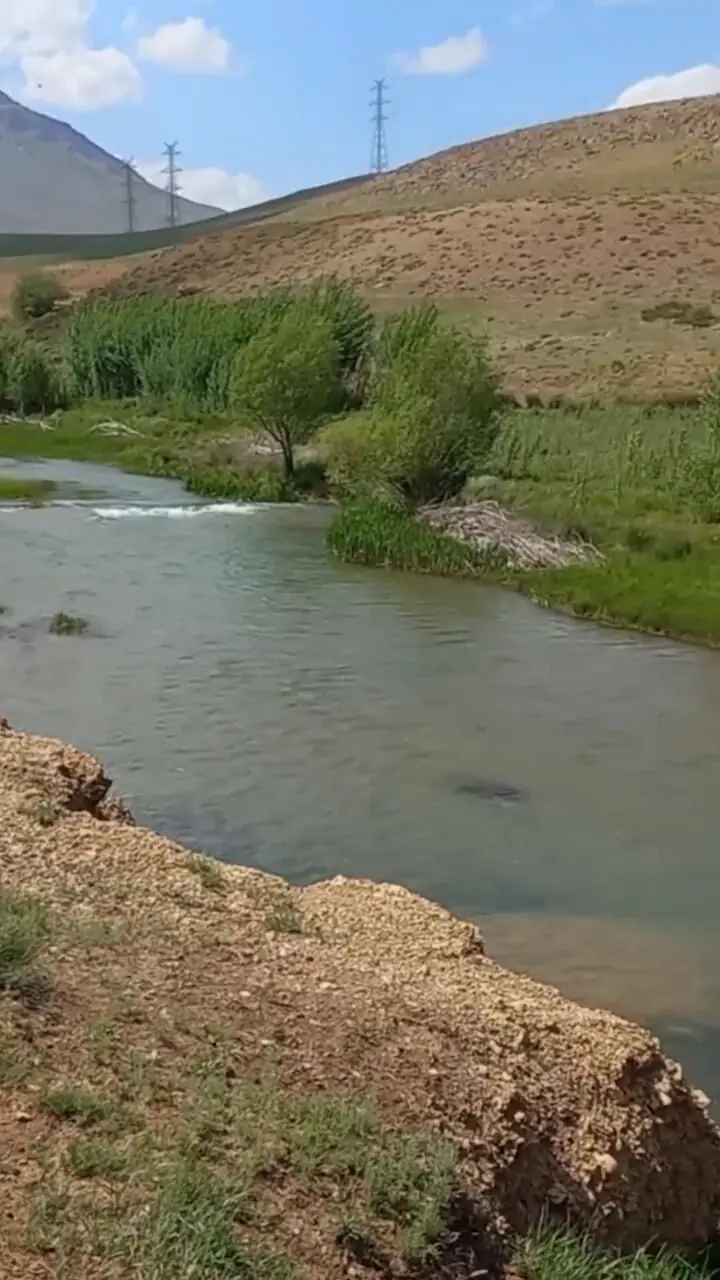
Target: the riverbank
(628, 495)
(206, 1071)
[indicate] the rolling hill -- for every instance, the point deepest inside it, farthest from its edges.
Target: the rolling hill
(55, 180)
(589, 248)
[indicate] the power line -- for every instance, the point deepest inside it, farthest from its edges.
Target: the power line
(379, 157)
(171, 186)
(130, 175)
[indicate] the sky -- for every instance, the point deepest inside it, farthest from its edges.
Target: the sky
(271, 97)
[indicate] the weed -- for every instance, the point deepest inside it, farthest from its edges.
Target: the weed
(93, 1158)
(192, 1230)
(67, 624)
(207, 870)
(15, 1064)
(24, 932)
(284, 918)
(43, 811)
(78, 1107)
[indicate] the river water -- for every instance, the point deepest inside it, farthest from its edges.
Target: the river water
(557, 781)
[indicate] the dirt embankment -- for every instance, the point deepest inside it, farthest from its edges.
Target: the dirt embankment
(158, 961)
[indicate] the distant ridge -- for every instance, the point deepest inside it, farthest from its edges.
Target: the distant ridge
(54, 180)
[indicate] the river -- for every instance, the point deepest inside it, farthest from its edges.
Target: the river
(253, 698)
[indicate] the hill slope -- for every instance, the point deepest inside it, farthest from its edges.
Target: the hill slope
(54, 179)
(560, 238)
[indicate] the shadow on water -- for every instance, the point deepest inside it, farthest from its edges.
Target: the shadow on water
(258, 700)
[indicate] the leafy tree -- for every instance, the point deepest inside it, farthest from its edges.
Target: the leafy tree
(287, 378)
(432, 415)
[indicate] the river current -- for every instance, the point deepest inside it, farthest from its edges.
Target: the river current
(253, 698)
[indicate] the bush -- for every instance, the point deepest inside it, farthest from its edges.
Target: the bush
(287, 378)
(432, 418)
(36, 294)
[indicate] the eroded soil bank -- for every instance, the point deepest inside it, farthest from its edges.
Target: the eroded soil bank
(337, 1077)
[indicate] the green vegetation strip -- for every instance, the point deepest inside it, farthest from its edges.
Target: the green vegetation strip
(20, 489)
(384, 419)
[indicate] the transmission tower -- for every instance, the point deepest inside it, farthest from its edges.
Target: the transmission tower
(379, 157)
(130, 175)
(171, 186)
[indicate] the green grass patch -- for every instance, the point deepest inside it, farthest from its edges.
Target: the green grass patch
(554, 1254)
(208, 871)
(23, 489)
(24, 933)
(385, 536)
(644, 487)
(96, 1158)
(77, 1106)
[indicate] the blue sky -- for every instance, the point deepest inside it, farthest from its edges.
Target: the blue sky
(271, 97)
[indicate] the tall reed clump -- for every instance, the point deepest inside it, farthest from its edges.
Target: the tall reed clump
(32, 379)
(383, 534)
(183, 350)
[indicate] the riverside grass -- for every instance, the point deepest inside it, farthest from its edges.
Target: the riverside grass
(643, 485)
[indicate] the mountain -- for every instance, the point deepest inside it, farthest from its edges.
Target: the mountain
(53, 179)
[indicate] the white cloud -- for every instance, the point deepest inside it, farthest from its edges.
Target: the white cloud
(47, 41)
(82, 79)
(694, 82)
(210, 186)
(449, 58)
(187, 46)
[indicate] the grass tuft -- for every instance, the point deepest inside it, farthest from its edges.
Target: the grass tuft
(24, 932)
(67, 624)
(208, 871)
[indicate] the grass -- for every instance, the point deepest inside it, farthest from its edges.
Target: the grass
(20, 489)
(378, 534)
(197, 1200)
(553, 1254)
(24, 933)
(208, 871)
(644, 487)
(77, 1106)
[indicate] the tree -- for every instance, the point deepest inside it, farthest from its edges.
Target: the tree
(432, 416)
(287, 378)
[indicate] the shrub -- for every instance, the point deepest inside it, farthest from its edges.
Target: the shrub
(36, 294)
(432, 417)
(287, 378)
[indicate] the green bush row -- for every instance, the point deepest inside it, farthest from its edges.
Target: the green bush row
(412, 404)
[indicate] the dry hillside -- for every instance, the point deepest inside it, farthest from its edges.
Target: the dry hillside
(557, 237)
